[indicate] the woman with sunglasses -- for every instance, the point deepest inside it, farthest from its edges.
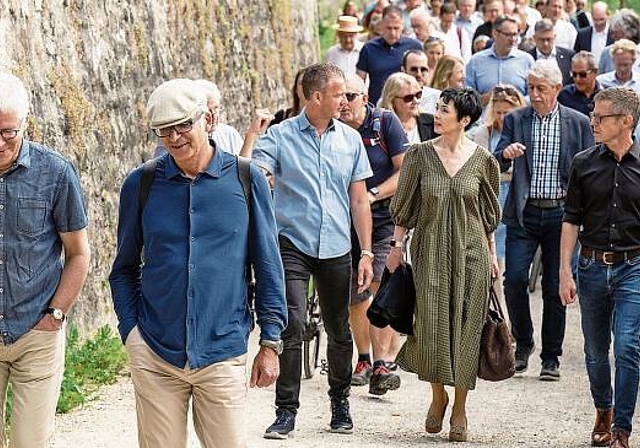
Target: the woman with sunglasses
(504, 99)
(401, 94)
(448, 193)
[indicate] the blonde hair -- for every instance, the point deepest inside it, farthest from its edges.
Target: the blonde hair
(508, 94)
(443, 70)
(624, 46)
(392, 86)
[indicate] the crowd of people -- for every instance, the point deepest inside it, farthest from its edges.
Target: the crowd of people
(459, 137)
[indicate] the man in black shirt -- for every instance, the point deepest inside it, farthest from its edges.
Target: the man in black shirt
(602, 210)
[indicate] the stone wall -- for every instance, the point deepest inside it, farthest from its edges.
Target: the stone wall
(90, 66)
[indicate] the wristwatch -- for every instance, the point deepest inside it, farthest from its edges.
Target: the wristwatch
(367, 253)
(374, 191)
(57, 314)
(276, 346)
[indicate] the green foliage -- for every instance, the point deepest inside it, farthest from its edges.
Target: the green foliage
(327, 37)
(98, 361)
(614, 5)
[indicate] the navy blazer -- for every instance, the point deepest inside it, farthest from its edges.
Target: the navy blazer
(563, 57)
(583, 40)
(575, 136)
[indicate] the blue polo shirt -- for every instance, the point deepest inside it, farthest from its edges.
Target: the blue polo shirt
(40, 197)
(486, 69)
(312, 179)
(571, 97)
(380, 60)
(179, 275)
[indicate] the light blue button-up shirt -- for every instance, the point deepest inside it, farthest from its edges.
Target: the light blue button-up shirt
(611, 80)
(486, 69)
(312, 178)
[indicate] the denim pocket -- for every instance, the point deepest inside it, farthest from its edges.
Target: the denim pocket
(633, 261)
(31, 215)
(585, 263)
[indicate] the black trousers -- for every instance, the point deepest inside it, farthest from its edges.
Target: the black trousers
(332, 278)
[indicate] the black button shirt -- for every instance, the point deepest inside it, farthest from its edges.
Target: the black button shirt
(604, 198)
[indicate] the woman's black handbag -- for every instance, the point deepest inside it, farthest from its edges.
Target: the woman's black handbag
(395, 301)
(497, 357)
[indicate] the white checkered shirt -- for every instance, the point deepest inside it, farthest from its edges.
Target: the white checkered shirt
(545, 138)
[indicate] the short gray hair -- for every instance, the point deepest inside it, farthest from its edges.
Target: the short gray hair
(624, 101)
(547, 70)
(210, 89)
(584, 55)
(628, 23)
(544, 25)
(14, 99)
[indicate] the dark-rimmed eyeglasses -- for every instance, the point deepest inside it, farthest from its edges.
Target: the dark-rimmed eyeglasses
(507, 35)
(9, 134)
(408, 98)
(180, 128)
(419, 69)
(581, 74)
(597, 119)
(352, 95)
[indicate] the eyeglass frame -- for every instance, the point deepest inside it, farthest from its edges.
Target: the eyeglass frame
(597, 119)
(187, 123)
(582, 75)
(409, 98)
(15, 133)
(508, 35)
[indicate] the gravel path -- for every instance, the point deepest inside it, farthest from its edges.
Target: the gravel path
(520, 413)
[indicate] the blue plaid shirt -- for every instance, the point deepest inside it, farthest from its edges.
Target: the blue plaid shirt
(545, 138)
(40, 197)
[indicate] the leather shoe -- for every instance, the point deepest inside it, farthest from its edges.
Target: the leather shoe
(619, 439)
(433, 423)
(601, 434)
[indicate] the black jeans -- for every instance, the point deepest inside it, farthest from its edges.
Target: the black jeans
(332, 278)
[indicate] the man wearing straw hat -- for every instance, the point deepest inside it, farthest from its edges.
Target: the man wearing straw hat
(345, 54)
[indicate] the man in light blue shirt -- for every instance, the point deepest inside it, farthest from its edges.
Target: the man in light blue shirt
(319, 167)
(624, 55)
(503, 63)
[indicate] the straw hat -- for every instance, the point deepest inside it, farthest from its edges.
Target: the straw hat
(347, 24)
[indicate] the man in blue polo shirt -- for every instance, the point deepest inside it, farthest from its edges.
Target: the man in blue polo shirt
(503, 63)
(382, 56)
(179, 281)
(319, 166)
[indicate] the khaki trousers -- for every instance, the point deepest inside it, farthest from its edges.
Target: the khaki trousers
(163, 392)
(34, 366)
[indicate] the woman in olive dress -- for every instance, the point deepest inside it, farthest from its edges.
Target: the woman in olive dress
(448, 193)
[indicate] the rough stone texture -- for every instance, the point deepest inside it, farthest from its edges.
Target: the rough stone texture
(91, 65)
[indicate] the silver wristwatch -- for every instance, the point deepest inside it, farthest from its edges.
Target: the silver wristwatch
(276, 346)
(57, 314)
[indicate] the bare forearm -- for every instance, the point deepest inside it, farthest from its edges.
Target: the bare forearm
(72, 280)
(361, 212)
(389, 186)
(568, 240)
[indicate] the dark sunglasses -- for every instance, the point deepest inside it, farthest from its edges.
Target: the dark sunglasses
(505, 89)
(419, 69)
(580, 74)
(410, 97)
(352, 95)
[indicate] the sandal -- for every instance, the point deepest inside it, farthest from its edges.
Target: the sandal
(433, 423)
(458, 433)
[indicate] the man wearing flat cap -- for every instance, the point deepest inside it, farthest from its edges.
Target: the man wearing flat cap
(179, 281)
(345, 54)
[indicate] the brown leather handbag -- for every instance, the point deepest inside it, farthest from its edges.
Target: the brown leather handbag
(497, 356)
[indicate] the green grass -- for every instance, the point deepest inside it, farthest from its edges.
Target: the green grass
(88, 365)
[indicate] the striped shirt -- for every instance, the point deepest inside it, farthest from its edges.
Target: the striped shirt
(545, 138)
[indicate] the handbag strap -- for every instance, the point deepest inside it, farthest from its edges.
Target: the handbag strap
(494, 302)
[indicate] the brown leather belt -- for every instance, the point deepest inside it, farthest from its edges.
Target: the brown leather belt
(547, 203)
(609, 258)
(380, 204)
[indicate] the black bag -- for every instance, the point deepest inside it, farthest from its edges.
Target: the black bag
(497, 357)
(395, 301)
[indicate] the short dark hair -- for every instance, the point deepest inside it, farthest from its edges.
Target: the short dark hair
(317, 76)
(500, 20)
(407, 53)
(466, 101)
(448, 8)
(392, 10)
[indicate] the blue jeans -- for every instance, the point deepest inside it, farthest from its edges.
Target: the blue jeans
(541, 228)
(609, 299)
(501, 231)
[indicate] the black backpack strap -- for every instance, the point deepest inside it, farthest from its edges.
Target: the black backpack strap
(244, 175)
(147, 178)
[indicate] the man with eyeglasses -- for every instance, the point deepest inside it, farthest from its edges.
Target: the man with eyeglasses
(319, 166)
(624, 54)
(382, 56)
(580, 94)
(385, 142)
(503, 63)
(539, 141)
(179, 279)
(545, 37)
(43, 212)
(602, 212)
(414, 63)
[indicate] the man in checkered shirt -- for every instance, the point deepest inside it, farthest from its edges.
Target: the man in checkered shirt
(540, 141)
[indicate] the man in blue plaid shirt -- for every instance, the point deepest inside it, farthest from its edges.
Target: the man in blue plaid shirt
(540, 141)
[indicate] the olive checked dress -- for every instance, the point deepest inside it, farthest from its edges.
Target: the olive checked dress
(451, 217)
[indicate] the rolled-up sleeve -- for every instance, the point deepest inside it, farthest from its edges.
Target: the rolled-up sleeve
(265, 152)
(270, 301)
(572, 208)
